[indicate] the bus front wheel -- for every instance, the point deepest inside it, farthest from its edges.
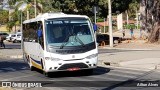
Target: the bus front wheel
(30, 64)
(31, 68)
(46, 74)
(89, 71)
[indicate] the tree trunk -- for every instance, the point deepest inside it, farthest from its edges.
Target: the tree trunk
(143, 19)
(15, 29)
(150, 19)
(155, 34)
(27, 14)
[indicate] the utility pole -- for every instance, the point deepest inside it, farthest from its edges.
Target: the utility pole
(137, 17)
(35, 8)
(110, 24)
(22, 8)
(95, 11)
(21, 30)
(127, 18)
(104, 26)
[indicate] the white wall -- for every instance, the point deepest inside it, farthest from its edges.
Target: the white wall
(119, 22)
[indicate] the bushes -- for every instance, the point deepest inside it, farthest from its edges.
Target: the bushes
(131, 26)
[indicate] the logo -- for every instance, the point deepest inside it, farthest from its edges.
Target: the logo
(73, 56)
(6, 84)
(21, 84)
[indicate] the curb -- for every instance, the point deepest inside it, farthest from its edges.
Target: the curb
(117, 65)
(121, 67)
(13, 56)
(125, 49)
(17, 56)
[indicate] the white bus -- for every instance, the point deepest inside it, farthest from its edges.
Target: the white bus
(60, 42)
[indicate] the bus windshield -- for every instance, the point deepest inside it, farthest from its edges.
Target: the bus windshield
(65, 32)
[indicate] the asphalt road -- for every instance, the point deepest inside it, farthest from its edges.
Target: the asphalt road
(103, 78)
(10, 45)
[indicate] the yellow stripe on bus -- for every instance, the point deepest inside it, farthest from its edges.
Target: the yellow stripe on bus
(36, 65)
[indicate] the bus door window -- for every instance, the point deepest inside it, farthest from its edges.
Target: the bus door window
(40, 36)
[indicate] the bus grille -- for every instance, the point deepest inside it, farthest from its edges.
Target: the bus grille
(73, 65)
(70, 51)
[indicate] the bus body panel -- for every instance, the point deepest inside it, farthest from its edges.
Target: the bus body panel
(34, 52)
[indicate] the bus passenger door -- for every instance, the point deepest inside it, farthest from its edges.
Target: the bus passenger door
(40, 47)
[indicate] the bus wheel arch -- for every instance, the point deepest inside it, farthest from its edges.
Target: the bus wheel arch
(28, 58)
(43, 69)
(42, 64)
(30, 63)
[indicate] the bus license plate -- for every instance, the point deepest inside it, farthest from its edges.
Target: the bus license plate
(73, 69)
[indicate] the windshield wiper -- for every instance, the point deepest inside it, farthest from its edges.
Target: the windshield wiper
(77, 39)
(65, 43)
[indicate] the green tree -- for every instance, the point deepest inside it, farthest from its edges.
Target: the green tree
(3, 16)
(15, 16)
(84, 7)
(30, 5)
(134, 7)
(10, 26)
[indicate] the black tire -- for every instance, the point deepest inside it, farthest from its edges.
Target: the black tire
(42, 64)
(16, 41)
(46, 74)
(30, 65)
(89, 71)
(32, 68)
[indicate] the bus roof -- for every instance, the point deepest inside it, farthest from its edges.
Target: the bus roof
(52, 15)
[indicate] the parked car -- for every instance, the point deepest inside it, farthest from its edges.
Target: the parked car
(105, 38)
(8, 38)
(4, 35)
(13, 37)
(19, 38)
(16, 37)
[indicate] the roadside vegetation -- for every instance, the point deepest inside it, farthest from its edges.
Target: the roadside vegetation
(149, 9)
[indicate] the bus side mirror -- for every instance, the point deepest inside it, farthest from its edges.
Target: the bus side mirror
(95, 27)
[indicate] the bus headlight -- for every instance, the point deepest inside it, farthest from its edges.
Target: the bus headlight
(52, 59)
(47, 58)
(92, 56)
(55, 59)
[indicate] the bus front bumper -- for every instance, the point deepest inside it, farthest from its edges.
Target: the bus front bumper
(71, 65)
